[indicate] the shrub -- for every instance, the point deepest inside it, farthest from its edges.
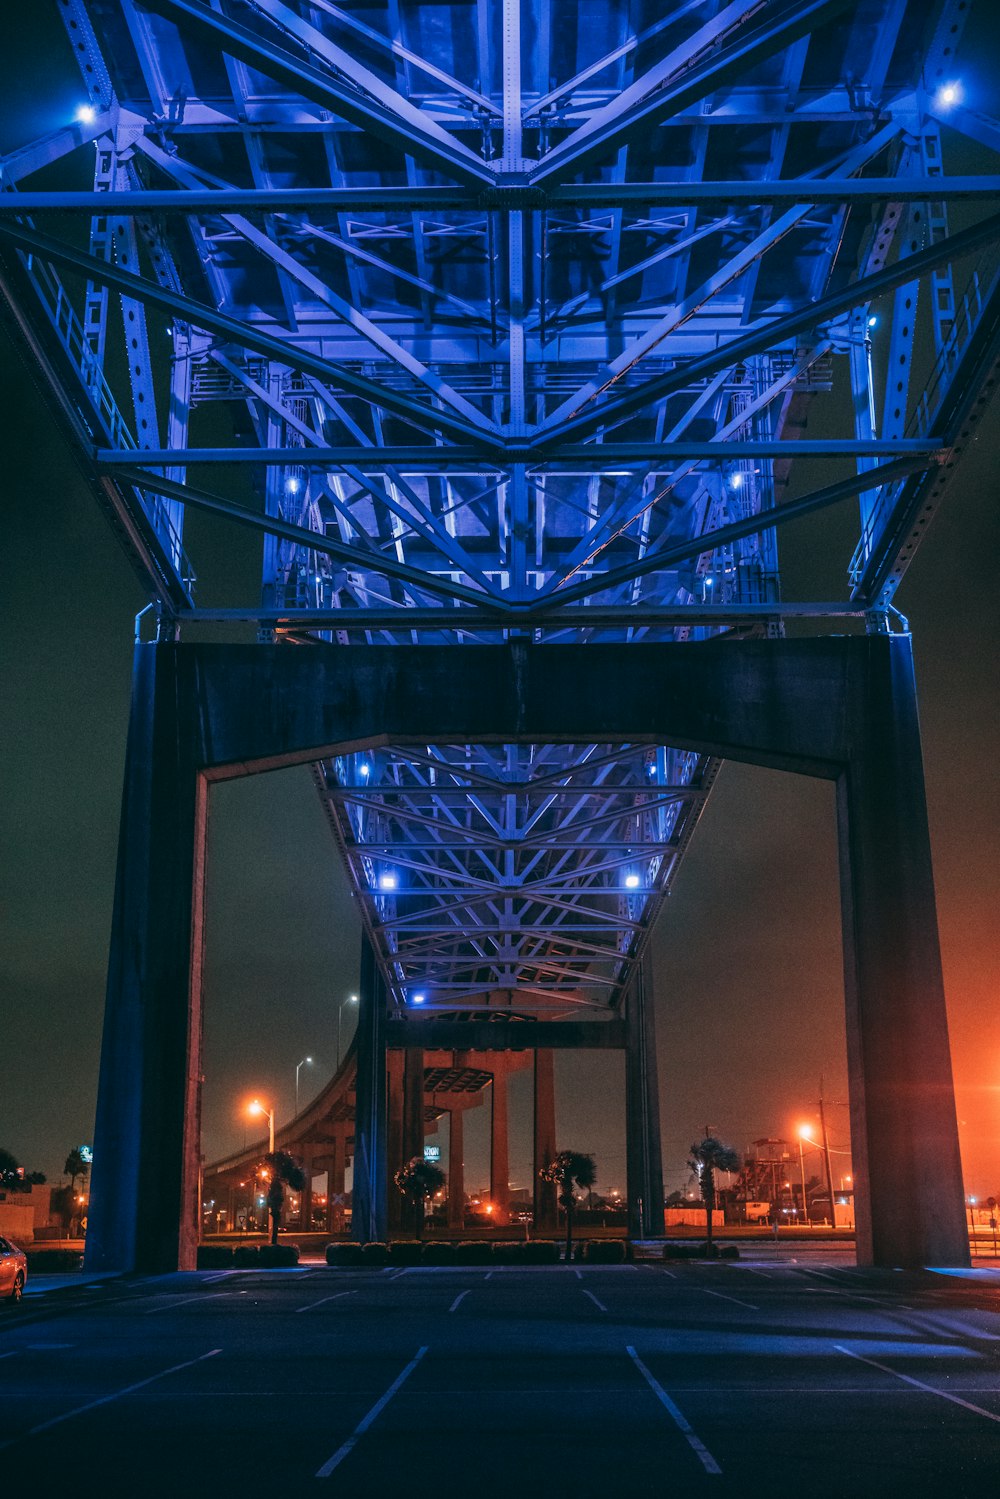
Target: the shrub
(729, 1252)
(214, 1256)
(344, 1254)
(474, 1252)
(605, 1252)
(246, 1256)
(374, 1253)
(53, 1261)
(278, 1256)
(507, 1252)
(438, 1254)
(540, 1252)
(405, 1252)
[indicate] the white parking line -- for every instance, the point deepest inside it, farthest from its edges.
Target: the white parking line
(107, 1399)
(10, 1354)
(680, 1420)
(599, 1304)
(489, 1275)
(458, 1301)
(324, 1299)
(579, 1274)
(212, 1296)
(908, 1379)
(670, 1273)
(366, 1421)
(734, 1299)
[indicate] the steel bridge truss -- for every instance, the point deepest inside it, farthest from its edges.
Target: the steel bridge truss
(500, 321)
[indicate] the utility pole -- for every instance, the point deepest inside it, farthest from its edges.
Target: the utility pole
(826, 1157)
(802, 1174)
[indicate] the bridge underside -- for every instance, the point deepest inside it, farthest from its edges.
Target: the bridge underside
(842, 708)
(491, 332)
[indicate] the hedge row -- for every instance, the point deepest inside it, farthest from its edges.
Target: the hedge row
(469, 1252)
(247, 1256)
(700, 1252)
(53, 1261)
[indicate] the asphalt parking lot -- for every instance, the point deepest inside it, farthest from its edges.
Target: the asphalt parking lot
(762, 1376)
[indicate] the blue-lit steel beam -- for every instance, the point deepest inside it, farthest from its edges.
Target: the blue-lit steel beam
(515, 198)
(240, 333)
(766, 334)
(682, 79)
(575, 458)
(314, 541)
(381, 112)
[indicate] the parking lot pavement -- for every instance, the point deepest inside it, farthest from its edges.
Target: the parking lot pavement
(699, 1378)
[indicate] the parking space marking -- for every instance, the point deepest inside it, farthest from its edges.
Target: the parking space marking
(348, 1447)
(579, 1274)
(919, 1384)
(734, 1299)
(458, 1301)
(212, 1296)
(680, 1420)
(324, 1299)
(81, 1410)
(599, 1304)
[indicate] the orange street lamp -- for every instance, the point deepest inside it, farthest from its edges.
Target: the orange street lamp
(258, 1108)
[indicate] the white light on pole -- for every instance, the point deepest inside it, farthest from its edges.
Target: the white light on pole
(351, 999)
(305, 1062)
(258, 1108)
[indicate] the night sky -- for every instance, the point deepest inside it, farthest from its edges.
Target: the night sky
(747, 953)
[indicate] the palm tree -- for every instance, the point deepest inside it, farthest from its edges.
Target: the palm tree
(76, 1166)
(570, 1167)
(418, 1181)
(284, 1171)
(707, 1157)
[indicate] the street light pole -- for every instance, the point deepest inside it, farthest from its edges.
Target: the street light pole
(826, 1157)
(258, 1108)
(298, 1069)
(351, 999)
(802, 1174)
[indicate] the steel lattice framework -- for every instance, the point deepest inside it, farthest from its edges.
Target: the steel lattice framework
(501, 320)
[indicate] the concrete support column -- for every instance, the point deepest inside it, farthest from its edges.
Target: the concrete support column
(396, 1148)
(546, 1210)
(306, 1197)
(368, 1216)
(413, 1123)
(456, 1171)
(144, 1212)
(500, 1144)
(335, 1185)
(907, 1169)
(644, 1164)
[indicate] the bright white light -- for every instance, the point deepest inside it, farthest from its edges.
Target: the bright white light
(709, 582)
(293, 486)
(364, 769)
(387, 882)
(631, 882)
(736, 480)
(873, 321)
(417, 999)
(948, 95)
(86, 114)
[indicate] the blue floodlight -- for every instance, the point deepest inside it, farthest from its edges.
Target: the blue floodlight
(948, 95)
(364, 769)
(86, 114)
(736, 480)
(873, 321)
(293, 486)
(417, 999)
(387, 881)
(631, 882)
(709, 582)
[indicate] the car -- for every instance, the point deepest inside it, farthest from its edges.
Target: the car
(13, 1271)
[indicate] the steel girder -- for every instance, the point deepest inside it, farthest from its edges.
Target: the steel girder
(502, 327)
